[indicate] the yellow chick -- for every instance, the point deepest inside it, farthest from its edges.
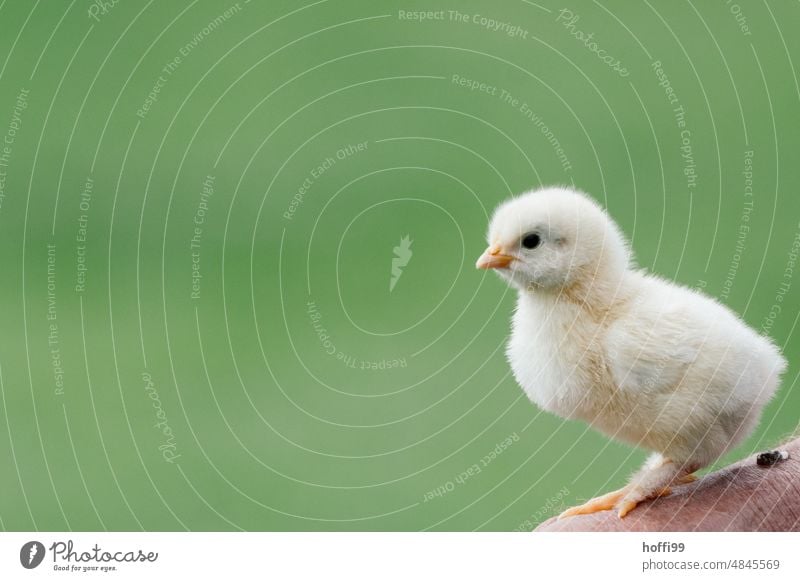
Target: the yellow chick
(640, 358)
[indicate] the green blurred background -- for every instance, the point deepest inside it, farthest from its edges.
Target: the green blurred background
(199, 331)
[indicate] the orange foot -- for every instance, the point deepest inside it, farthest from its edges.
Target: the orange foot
(605, 502)
(614, 500)
(626, 506)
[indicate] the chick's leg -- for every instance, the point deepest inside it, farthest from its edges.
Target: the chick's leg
(606, 502)
(653, 480)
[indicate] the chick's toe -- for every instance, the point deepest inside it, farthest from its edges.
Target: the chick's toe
(605, 502)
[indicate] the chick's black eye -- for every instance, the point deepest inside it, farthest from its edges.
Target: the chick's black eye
(531, 241)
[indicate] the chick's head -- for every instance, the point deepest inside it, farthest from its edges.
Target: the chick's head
(554, 238)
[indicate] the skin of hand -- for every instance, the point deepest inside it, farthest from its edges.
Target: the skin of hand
(739, 497)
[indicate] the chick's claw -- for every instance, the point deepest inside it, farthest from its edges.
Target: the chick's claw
(605, 502)
(636, 496)
(626, 506)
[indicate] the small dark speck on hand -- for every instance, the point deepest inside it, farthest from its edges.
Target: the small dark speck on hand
(771, 458)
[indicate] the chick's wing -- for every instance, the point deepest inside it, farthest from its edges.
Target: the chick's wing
(651, 347)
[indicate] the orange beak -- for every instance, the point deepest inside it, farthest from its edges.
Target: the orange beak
(492, 258)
